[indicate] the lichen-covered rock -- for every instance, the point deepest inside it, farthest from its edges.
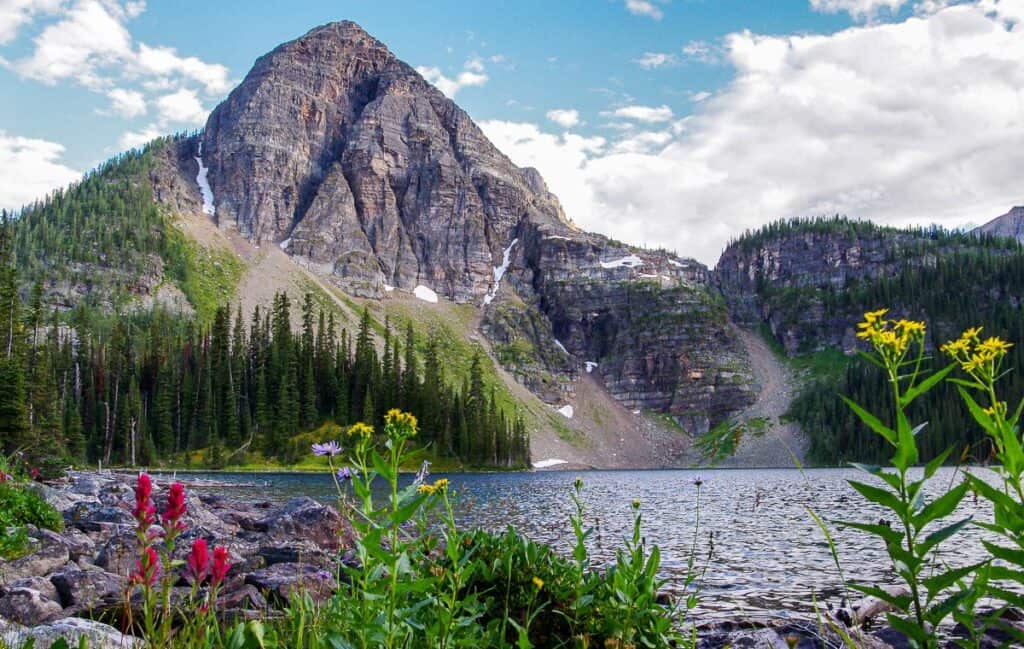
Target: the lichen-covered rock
(88, 590)
(49, 557)
(281, 580)
(27, 606)
(304, 519)
(97, 635)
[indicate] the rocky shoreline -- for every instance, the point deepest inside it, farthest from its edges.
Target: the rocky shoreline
(75, 582)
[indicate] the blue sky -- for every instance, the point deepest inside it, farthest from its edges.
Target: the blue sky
(663, 122)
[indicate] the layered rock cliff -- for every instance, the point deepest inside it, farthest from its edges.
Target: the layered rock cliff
(346, 158)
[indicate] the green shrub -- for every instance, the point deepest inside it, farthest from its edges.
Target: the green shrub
(21, 506)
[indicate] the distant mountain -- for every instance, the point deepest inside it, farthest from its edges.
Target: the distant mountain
(1010, 225)
(335, 167)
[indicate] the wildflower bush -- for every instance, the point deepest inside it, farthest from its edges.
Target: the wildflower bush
(413, 578)
(20, 505)
(936, 592)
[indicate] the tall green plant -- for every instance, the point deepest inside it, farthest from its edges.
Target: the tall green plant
(982, 362)
(921, 526)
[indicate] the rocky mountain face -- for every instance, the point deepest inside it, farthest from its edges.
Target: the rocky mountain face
(363, 172)
(1009, 225)
(808, 280)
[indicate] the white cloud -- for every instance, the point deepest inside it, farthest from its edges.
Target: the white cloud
(643, 8)
(651, 60)
(473, 74)
(647, 114)
(89, 43)
(32, 167)
(564, 117)
(917, 121)
(702, 52)
(182, 107)
(14, 14)
(127, 103)
(700, 96)
(858, 9)
(133, 139)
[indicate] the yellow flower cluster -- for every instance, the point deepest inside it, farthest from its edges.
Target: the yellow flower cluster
(890, 338)
(979, 358)
(359, 429)
(438, 487)
(998, 408)
(538, 582)
(397, 418)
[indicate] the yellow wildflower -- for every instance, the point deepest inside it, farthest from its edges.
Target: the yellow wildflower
(396, 417)
(995, 345)
(911, 327)
(538, 582)
(998, 408)
(441, 485)
(425, 489)
(359, 429)
(873, 316)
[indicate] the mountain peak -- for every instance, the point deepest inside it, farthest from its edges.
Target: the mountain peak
(370, 173)
(1010, 225)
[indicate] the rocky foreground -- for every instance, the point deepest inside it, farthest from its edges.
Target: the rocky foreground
(75, 583)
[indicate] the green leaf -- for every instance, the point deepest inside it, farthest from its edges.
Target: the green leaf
(906, 446)
(941, 535)
(941, 507)
(870, 420)
(900, 602)
(977, 411)
(908, 629)
(882, 531)
(879, 496)
(925, 385)
(940, 582)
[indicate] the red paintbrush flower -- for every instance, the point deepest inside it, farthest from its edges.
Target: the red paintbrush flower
(176, 506)
(146, 568)
(144, 511)
(220, 565)
(198, 562)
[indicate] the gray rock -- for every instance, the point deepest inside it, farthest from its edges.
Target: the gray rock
(119, 554)
(93, 516)
(88, 590)
(303, 519)
(282, 580)
(41, 584)
(45, 560)
(97, 635)
(79, 544)
(28, 606)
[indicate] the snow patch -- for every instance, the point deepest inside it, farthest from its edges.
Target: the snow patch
(389, 288)
(590, 365)
(204, 183)
(556, 236)
(632, 261)
(561, 346)
(678, 264)
(425, 294)
(566, 411)
(499, 272)
(284, 244)
(545, 464)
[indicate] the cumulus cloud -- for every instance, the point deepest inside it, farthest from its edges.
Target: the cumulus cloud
(14, 14)
(564, 117)
(473, 74)
(32, 167)
(181, 107)
(127, 103)
(647, 114)
(88, 43)
(858, 9)
(916, 121)
(133, 139)
(651, 60)
(702, 52)
(643, 8)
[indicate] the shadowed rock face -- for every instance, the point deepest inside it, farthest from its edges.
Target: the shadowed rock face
(1010, 225)
(367, 175)
(370, 174)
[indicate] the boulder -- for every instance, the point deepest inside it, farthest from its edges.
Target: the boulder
(91, 516)
(41, 584)
(46, 559)
(305, 519)
(299, 552)
(71, 629)
(88, 590)
(28, 606)
(79, 543)
(283, 580)
(119, 554)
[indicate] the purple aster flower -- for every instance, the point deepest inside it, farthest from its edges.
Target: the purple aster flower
(344, 473)
(330, 448)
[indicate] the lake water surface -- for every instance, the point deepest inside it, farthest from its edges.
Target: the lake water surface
(767, 555)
